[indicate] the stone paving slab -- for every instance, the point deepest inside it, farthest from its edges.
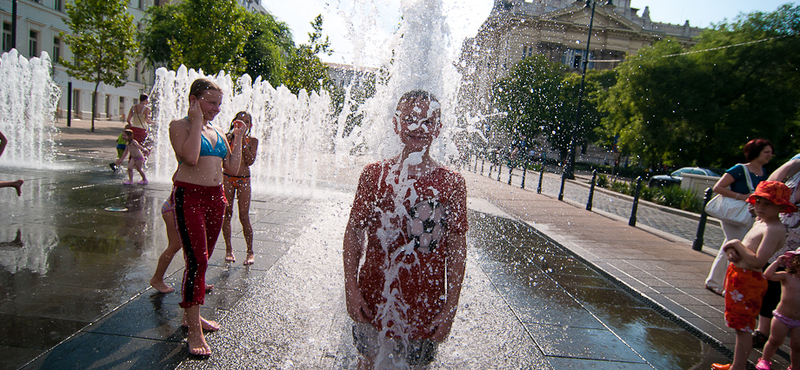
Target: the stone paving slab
(662, 268)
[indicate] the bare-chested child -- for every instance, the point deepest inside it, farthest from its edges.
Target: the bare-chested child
(137, 157)
(787, 314)
(745, 285)
(9, 184)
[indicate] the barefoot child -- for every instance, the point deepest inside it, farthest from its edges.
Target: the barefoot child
(237, 185)
(408, 221)
(787, 314)
(744, 284)
(136, 160)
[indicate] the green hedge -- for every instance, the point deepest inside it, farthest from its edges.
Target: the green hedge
(670, 196)
(627, 172)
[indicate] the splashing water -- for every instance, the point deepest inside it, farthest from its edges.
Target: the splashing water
(290, 128)
(28, 101)
(302, 138)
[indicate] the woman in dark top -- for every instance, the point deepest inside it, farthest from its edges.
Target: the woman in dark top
(733, 184)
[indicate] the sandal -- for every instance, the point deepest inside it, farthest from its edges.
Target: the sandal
(763, 364)
(717, 291)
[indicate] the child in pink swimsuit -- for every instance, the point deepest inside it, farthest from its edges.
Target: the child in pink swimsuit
(136, 161)
(787, 315)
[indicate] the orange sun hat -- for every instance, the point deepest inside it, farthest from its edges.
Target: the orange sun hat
(775, 192)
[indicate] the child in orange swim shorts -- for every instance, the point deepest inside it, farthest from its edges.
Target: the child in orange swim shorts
(744, 284)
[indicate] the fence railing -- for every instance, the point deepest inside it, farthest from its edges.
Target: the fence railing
(523, 170)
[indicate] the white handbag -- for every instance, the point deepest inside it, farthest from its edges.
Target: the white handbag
(730, 210)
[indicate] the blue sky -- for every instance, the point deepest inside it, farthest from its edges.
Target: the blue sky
(465, 16)
(701, 13)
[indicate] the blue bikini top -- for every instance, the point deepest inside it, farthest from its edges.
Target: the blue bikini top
(219, 150)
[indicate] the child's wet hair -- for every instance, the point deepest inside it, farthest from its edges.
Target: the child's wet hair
(128, 132)
(417, 95)
(201, 85)
(235, 117)
(793, 264)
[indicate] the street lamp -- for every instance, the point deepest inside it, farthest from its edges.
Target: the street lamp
(570, 168)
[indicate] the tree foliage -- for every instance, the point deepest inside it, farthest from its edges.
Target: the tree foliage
(305, 69)
(540, 97)
(268, 48)
(101, 42)
(739, 83)
(216, 35)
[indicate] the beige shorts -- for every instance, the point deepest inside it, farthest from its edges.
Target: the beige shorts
(420, 352)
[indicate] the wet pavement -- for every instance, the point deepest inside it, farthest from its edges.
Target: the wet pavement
(541, 291)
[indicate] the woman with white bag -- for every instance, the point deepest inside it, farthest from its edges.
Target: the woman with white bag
(737, 183)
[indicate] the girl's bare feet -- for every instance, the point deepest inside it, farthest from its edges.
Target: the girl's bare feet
(229, 256)
(207, 325)
(251, 258)
(198, 345)
(160, 286)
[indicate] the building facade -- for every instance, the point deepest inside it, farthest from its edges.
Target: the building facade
(557, 29)
(39, 25)
(38, 28)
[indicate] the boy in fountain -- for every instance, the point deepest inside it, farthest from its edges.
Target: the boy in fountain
(137, 158)
(409, 222)
(744, 284)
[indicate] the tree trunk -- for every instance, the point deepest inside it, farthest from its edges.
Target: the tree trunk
(94, 102)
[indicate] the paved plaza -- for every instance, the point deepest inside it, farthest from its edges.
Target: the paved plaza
(549, 285)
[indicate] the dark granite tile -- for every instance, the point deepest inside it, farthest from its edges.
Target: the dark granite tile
(578, 363)
(106, 352)
(583, 343)
(35, 332)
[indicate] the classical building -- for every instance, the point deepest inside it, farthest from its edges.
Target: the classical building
(557, 29)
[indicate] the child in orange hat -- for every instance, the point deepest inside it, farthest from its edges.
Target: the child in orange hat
(744, 284)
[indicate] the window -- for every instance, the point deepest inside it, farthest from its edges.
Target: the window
(7, 36)
(136, 72)
(33, 44)
(56, 49)
(141, 4)
(58, 5)
(576, 63)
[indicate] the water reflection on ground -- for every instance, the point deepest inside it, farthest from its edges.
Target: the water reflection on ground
(78, 245)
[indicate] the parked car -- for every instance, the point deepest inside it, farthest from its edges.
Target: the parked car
(676, 176)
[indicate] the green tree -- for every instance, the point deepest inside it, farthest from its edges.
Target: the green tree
(200, 34)
(305, 69)
(102, 43)
(645, 108)
(161, 30)
(540, 97)
(265, 45)
(700, 108)
(268, 48)
(531, 98)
